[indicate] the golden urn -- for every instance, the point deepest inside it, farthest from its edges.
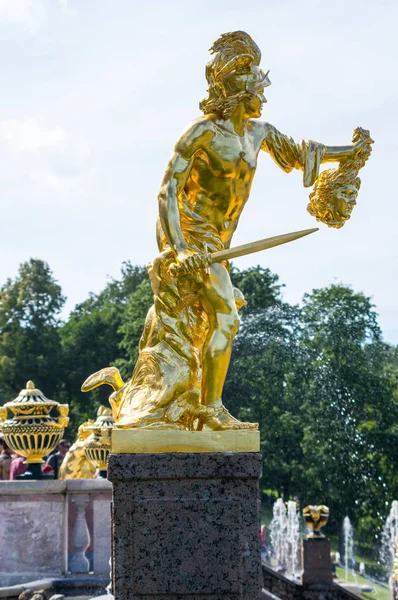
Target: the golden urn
(315, 518)
(98, 445)
(31, 431)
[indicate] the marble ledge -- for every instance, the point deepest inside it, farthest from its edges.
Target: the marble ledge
(54, 486)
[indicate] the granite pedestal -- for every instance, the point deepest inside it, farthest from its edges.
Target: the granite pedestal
(316, 561)
(186, 526)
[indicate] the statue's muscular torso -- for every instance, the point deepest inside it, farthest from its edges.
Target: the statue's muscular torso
(214, 168)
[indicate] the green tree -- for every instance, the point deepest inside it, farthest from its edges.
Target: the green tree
(260, 287)
(133, 324)
(91, 340)
(259, 389)
(30, 348)
(261, 376)
(348, 397)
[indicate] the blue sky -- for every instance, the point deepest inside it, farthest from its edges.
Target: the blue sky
(96, 92)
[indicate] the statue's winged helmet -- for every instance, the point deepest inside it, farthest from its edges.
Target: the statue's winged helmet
(233, 72)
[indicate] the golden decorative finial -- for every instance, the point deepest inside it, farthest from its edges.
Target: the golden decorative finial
(316, 517)
(30, 385)
(98, 445)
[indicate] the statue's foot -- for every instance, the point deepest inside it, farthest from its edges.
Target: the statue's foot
(129, 422)
(222, 420)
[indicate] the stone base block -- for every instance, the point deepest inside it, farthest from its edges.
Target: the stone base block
(186, 526)
(316, 561)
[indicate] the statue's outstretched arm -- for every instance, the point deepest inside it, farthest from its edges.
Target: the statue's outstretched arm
(337, 153)
(305, 155)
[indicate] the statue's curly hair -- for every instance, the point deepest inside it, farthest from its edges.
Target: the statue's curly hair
(228, 46)
(333, 183)
(328, 187)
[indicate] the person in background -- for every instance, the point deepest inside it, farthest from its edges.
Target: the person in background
(18, 466)
(264, 548)
(55, 460)
(5, 460)
(333, 564)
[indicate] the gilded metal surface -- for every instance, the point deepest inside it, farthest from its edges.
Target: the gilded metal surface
(31, 431)
(98, 444)
(394, 576)
(144, 441)
(185, 348)
(316, 517)
(244, 249)
(336, 190)
(76, 465)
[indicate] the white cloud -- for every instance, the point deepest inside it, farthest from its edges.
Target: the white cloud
(26, 134)
(68, 10)
(29, 15)
(50, 157)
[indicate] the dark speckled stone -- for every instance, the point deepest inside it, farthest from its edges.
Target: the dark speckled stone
(186, 526)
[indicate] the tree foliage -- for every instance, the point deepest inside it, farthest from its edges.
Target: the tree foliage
(30, 348)
(91, 340)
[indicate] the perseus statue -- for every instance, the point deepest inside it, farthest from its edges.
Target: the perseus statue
(185, 348)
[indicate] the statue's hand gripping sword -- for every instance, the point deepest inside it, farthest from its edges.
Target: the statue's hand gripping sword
(229, 253)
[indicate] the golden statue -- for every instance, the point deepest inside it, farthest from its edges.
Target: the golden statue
(316, 517)
(186, 345)
(75, 464)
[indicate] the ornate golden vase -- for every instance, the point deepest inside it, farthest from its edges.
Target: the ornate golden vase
(316, 517)
(31, 431)
(98, 445)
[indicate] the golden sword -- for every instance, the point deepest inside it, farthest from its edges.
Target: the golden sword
(244, 249)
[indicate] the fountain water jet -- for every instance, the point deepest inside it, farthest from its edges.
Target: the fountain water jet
(389, 548)
(285, 537)
(348, 537)
(388, 537)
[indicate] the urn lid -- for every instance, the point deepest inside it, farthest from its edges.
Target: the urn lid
(31, 396)
(104, 418)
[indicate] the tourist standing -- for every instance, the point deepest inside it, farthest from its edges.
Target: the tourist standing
(18, 466)
(264, 547)
(5, 460)
(55, 460)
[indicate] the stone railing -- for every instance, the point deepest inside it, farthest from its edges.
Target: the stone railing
(52, 528)
(276, 585)
(281, 586)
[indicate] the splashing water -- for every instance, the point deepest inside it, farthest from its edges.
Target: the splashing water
(293, 538)
(278, 533)
(109, 587)
(348, 537)
(285, 537)
(388, 537)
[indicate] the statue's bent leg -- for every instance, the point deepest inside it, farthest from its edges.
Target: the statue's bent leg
(219, 303)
